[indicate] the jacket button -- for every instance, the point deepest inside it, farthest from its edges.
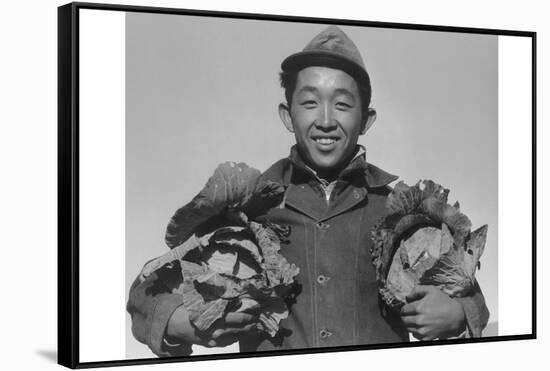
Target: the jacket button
(322, 279)
(323, 226)
(356, 194)
(324, 333)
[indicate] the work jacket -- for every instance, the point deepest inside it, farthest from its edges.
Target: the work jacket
(335, 299)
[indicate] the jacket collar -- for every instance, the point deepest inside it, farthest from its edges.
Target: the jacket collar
(292, 173)
(374, 176)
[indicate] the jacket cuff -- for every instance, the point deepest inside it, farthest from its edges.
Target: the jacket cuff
(462, 335)
(473, 319)
(164, 308)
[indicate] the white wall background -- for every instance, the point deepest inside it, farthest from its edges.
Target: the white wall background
(28, 188)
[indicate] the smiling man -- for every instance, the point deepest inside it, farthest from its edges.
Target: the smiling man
(333, 198)
(325, 116)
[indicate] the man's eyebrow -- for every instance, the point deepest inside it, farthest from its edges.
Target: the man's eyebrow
(308, 88)
(346, 92)
(339, 91)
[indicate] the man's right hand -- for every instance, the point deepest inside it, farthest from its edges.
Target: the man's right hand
(223, 332)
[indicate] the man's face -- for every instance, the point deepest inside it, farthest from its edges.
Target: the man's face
(325, 116)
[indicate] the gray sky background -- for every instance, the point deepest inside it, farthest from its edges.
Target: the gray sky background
(200, 91)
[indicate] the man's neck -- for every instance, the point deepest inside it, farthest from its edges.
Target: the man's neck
(328, 176)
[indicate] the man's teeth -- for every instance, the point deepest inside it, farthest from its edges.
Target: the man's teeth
(325, 140)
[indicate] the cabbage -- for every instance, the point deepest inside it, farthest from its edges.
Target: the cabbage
(424, 240)
(229, 261)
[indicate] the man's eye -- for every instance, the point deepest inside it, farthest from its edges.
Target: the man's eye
(343, 105)
(309, 104)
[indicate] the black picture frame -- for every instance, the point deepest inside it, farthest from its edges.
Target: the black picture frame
(68, 180)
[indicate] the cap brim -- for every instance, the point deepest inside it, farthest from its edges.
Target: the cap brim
(301, 60)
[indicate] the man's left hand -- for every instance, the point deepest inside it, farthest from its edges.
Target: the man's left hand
(431, 314)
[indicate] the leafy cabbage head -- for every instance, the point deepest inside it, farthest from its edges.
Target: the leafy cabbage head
(424, 240)
(229, 261)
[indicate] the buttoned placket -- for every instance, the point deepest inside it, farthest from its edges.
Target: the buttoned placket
(320, 283)
(321, 280)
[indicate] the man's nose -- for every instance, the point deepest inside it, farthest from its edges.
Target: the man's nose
(326, 119)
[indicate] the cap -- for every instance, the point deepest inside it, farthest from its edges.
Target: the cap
(331, 48)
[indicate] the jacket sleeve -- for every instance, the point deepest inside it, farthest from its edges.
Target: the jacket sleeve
(151, 303)
(476, 312)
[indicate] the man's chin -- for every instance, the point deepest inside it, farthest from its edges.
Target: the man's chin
(323, 163)
(326, 166)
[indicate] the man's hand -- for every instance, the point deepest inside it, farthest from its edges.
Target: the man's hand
(223, 332)
(229, 329)
(431, 314)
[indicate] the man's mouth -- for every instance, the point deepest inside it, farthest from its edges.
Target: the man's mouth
(325, 140)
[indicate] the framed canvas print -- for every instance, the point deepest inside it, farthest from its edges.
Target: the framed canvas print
(240, 185)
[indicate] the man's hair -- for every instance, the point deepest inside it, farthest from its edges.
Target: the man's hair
(288, 83)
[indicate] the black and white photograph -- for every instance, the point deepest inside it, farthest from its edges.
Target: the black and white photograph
(278, 185)
(242, 130)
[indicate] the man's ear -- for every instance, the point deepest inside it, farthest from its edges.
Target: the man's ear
(371, 118)
(284, 114)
